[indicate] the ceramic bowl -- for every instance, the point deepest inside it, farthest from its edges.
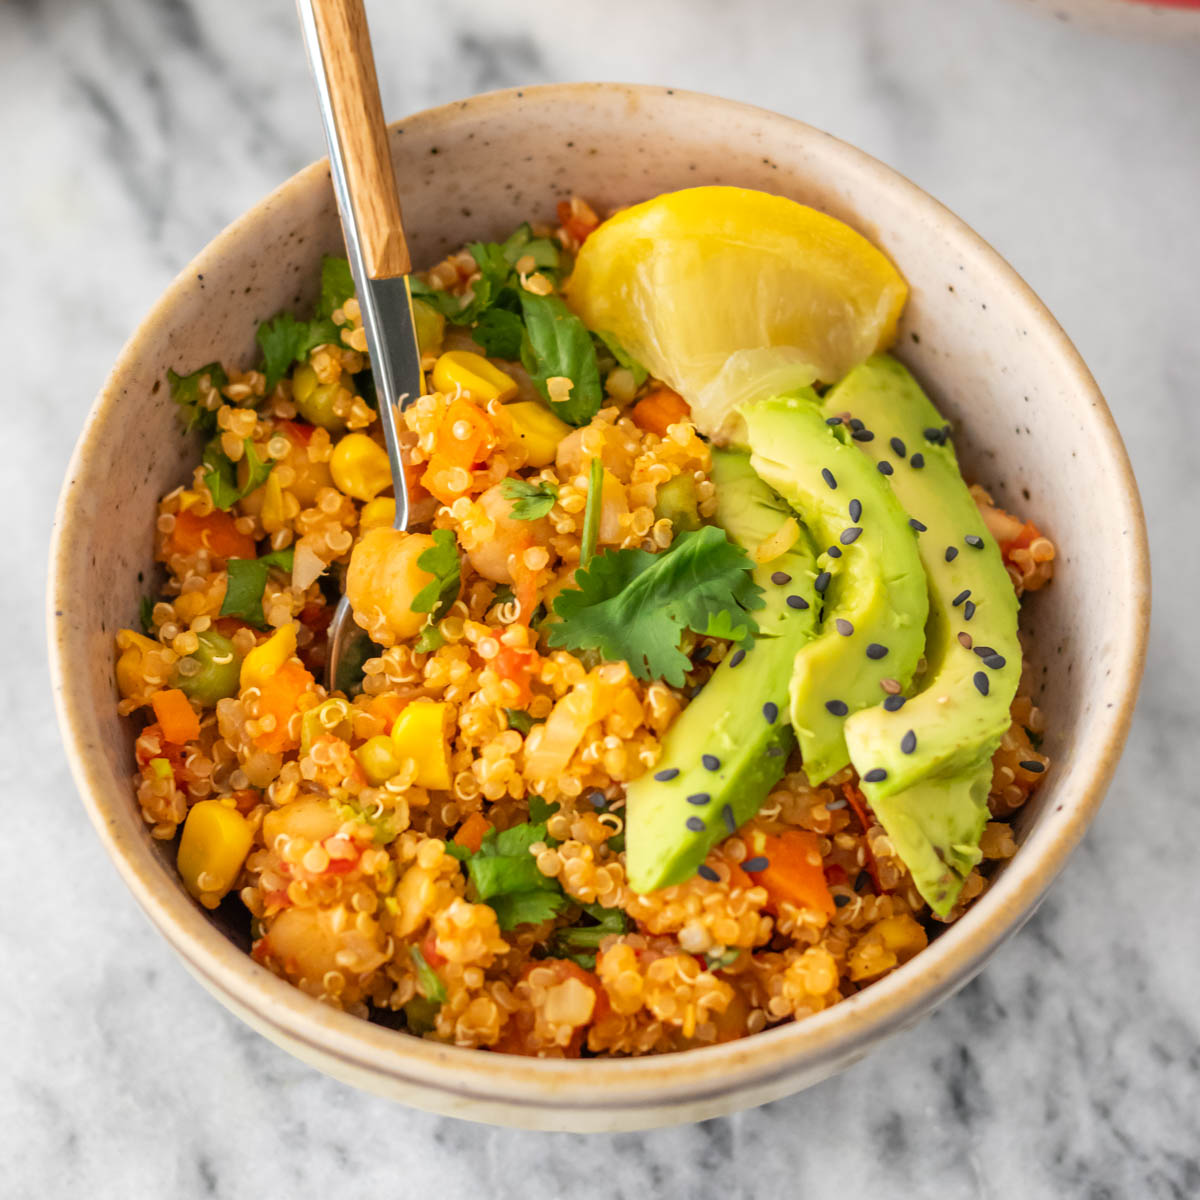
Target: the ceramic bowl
(1034, 429)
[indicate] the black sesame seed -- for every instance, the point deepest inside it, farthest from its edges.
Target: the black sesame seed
(596, 800)
(699, 798)
(797, 602)
(980, 680)
(961, 597)
(893, 703)
(780, 577)
(934, 436)
(855, 510)
(757, 863)
(770, 710)
(863, 435)
(833, 420)
(727, 817)
(841, 901)
(908, 743)
(875, 775)
(994, 661)
(695, 824)
(827, 475)
(843, 627)
(1029, 765)
(875, 650)
(951, 553)
(856, 424)
(898, 446)
(837, 707)
(974, 541)
(702, 653)
(917, 525)
(666, 773)
(917, 460)
(706, 872)
(851, 535)
(736, 657)
(834, 552)
(711, 762)
(968, 610)
(861, 880)
(984, 651)
(822, 581)
(884, 467)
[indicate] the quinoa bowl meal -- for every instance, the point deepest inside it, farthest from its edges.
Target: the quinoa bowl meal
(740, 679)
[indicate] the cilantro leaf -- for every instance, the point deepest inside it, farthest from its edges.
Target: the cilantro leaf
(541, 810)
(500, 332)
(337, 285)
(623, 357)
(146, 615)
(495, 271)
(448, 304)
(559, 345)
(220, 477)
(634, 605)
(430, 983)
(431, 638)
(521, 721)
(505, 876)
(185, 391)
(580, 942)
(529, 500)
(246, 579)
(285, 340)
(442, 562)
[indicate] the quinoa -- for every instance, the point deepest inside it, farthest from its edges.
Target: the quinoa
(355, 889)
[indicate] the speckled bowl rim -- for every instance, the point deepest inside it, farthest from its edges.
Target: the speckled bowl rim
(632, 1083)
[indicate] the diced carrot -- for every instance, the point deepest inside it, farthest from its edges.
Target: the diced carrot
(858, 802)
(279, 696)
(388, 707)
(1028, 535)
(659, 409)
(517, 665)
(577, 218)
(471, 832)
(216, 532)
(297, 431)
(246, 798)
(175, 714)
(794, 870)
(526, 595)
(430, 952)
(464, 438)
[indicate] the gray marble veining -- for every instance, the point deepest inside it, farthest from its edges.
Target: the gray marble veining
(134, 129)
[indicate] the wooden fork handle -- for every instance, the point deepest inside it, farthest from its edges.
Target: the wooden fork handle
(358, 115)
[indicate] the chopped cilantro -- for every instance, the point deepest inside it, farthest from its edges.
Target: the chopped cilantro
(185, 391)
(442, 562)
(726, 958)
(545, 252)
(500, 333)
(521, 721)
(432, 988)
(541, 810)
(146, 615)
(529, 500)
(580, 942)
(420, 1015)
(285, 340)
(246, 579)
(431, 638)
(495, 273)
(505, 876)
(220, 476)
(591, 512)
(632, 605)
(559, 345)
(337, 285)
(623, 357)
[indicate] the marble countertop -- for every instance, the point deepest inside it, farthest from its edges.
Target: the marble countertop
(135, 129)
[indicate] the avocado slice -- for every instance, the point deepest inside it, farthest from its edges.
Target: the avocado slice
(870, 577)
(727, 748)
(973, 657)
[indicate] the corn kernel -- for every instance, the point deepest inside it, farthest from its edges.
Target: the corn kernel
(420, 734)
(273, 514)
(215, 842)
(360, 467)
(379, 513)
(263, 661)
(378, 758)
(133, 647)
(538, 430)
(477, 377)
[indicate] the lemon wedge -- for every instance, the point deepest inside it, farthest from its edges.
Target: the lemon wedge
(692, 278)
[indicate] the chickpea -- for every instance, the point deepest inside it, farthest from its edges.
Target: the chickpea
(305, 940)
(384, 575)
(492, 558)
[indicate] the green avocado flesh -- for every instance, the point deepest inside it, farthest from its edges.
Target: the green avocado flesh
(935, 750)
(875, 596)
(739, 719)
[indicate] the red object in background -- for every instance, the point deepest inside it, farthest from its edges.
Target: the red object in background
(1167, 3)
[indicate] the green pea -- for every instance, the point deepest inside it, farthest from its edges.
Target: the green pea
(677, 501)
(431, 326)
(217, 671)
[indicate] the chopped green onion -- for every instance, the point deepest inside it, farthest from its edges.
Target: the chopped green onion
(591, 514)
(431, 985)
